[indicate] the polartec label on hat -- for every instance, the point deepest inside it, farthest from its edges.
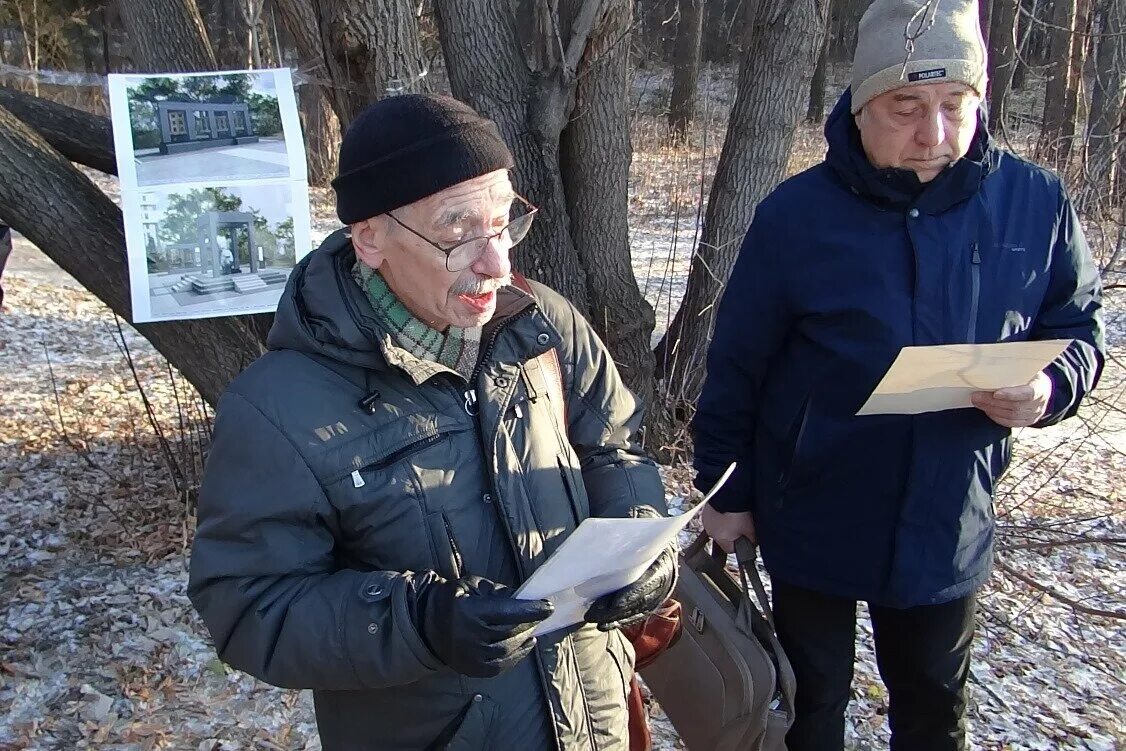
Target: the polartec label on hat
(926, 75)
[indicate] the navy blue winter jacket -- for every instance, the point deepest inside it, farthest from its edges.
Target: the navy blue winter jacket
(844, 265)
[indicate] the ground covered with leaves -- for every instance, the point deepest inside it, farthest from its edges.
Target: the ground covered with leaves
(100, 446)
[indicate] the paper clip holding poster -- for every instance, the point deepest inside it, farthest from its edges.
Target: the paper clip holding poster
(602, 556)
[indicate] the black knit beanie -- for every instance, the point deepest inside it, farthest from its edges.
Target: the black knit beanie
(407, 147)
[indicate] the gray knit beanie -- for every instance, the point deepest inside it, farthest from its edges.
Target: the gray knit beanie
(947, 47)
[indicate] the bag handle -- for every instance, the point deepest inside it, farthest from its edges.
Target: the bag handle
(745, 554)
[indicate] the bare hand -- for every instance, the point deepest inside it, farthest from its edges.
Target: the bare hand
(725, 529)
(1017, 406)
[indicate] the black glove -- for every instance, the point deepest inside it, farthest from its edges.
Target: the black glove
(473, 625)
(633, 602)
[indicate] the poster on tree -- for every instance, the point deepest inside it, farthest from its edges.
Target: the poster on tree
(214, 190)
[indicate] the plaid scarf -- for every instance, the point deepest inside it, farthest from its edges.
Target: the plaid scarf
(456, 349)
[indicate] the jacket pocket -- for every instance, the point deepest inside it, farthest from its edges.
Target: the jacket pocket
(792, 465)
(380, 450)
(579, 504)
(472, 733)
(447, 556)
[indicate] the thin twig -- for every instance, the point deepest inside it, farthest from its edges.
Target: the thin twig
(1050, 544)
(1057, 595)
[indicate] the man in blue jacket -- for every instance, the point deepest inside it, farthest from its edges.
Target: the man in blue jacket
(917, 229)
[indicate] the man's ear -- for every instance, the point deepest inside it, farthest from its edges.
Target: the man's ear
(368, 237)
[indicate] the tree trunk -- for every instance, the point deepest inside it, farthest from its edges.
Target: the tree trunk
(845, 20)
(45, 198)
(1107, 103)
(1051, 148)
(1002, 58)
(654, 31)
(686, 67)
(77, 135)
(167, 36)
(595, 155)
(780, 52)
(512, 70)
(322, 133)
(227, 31)
(554, 79)
(373, 51)
(315, 102)
(1075, 96)
(815, 112)
(985, 8)
(1024, 45)
(365, 49)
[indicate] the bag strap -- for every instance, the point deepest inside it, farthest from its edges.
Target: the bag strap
(745, 554)
(548, 362)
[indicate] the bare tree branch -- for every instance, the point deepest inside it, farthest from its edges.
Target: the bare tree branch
(1057, 595)
(80, 136)
(580, 34)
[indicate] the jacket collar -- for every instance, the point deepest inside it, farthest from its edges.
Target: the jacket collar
(324, 312)
(899, 189)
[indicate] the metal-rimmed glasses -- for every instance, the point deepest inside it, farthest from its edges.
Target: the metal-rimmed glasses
(465, 253)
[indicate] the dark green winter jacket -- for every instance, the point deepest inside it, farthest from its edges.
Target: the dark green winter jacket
(316, 511)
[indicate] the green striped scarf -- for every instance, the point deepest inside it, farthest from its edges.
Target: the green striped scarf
(456, 349)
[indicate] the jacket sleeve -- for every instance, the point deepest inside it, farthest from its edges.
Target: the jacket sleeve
(1072, 309)
(751, 324)
(263, 576)
(603, 417)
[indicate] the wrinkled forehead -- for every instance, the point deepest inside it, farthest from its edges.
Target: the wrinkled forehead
(473, 200)
(929, 93)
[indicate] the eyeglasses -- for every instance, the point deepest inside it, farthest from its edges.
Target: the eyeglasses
(465, 253)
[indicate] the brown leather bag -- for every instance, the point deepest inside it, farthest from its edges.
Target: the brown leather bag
(649, 638)
(725, 682)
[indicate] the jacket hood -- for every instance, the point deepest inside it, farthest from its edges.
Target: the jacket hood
(895, 188)
(322, 312)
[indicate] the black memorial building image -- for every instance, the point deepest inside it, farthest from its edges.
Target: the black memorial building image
(207, 128)
(191, 126)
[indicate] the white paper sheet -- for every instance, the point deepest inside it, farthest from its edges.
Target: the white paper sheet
(602, 556)
(929, 379)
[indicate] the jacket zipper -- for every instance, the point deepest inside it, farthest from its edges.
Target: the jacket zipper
(453, 546)
(396, 455)
(470, 395)
(975, 291)
(472, 409)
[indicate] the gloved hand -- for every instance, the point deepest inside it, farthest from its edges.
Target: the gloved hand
(473, 625)
(633, 602)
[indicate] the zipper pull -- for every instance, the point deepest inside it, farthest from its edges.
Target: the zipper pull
(470, 402)
(976, 257)
(357, 479)
(519, 412)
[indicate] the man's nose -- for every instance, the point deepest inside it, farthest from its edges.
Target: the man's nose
(931, 131)
(494, 260)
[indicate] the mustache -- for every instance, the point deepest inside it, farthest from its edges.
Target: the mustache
(479, 286)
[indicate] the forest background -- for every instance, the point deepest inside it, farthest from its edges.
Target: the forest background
(647, 132)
